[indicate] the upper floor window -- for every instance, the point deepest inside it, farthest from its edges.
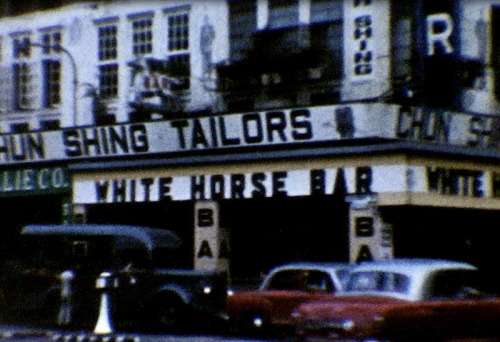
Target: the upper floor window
(178, 48)
(108, 42)
(178, 32)
(51, 67)
(23, 73)
(51, 42)
(108, 64)
(283, 13)
(21, 47)
(52, 82)
(142, 36)
(242, 24)
(326, 10)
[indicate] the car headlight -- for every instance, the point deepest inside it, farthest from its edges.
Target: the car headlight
(207, 290)
(230, 292)
(257, 322)
(348, 325)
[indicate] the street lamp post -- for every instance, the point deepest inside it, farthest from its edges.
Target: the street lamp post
(74, 70)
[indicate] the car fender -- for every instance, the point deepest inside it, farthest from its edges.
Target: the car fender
(173, 289)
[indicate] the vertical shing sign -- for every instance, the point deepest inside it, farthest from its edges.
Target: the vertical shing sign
(366, 47)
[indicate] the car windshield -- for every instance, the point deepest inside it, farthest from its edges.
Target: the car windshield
(376, 281)
(301, 280)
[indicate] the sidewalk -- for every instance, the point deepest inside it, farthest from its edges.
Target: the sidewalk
(19, 331)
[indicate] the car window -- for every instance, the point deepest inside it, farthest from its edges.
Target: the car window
(449, 284)
(378, 282)
(301, 280)
(343, 276)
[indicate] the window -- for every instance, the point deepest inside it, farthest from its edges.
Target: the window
(283, 13)
(52, 82)
(378, 282)
(51, 42)
(242, 22)
(454, 284)
(301, 280)
(108, 81)
(108, 43)
(21, 47)
(142, 37)
(108, 54)
(178, 32)
(23, 73)
(326, 10)
(51, 68)
(178, 49)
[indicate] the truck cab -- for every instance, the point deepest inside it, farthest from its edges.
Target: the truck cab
(150, 282)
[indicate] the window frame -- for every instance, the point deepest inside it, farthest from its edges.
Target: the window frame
(107, 56)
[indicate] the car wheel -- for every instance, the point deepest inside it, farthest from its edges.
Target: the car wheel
(169, 313)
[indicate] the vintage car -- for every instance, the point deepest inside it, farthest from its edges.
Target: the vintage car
(405, 299)
(281, 290)
(150, 282)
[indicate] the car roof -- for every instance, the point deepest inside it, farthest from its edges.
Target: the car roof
(411, 266)
(125, 235)
(418, 270)
(313, 265)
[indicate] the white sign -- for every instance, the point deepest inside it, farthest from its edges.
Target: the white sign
(248, 130)
(351, 180)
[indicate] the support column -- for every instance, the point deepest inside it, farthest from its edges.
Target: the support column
(370, 238)
(211, 241)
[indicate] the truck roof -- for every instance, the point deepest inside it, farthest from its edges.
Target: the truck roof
(149, 238)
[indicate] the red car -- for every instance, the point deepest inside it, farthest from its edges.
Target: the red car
(404, 300)
(281, 291)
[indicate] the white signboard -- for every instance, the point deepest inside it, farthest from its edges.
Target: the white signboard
(352, 180)
(366, 47)
(249, 130)
(365, 180)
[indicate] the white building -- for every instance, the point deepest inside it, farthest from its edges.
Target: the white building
(45, 88)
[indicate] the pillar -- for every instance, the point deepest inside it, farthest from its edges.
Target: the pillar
(370, 238)
(211, 241)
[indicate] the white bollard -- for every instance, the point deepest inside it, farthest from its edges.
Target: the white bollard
(104, 325)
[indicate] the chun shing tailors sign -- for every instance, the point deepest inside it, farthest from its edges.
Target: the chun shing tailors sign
(367, 180)
(280, 127)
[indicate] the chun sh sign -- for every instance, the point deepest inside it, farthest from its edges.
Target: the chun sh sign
(255, 129)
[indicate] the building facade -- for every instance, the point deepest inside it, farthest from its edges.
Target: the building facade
(261, 131)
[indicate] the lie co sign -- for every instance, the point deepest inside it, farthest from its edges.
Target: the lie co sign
(34, 181)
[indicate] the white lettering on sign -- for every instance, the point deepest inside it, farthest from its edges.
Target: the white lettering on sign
(439, 31)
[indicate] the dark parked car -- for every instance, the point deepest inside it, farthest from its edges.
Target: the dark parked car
(404, 300)
(283, 288)
(150, 285)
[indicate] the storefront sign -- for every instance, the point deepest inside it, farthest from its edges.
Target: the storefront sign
(34, 181)
(248, 130)
(363, 180)
(210, 240)
(318, 182)
(366, 47)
